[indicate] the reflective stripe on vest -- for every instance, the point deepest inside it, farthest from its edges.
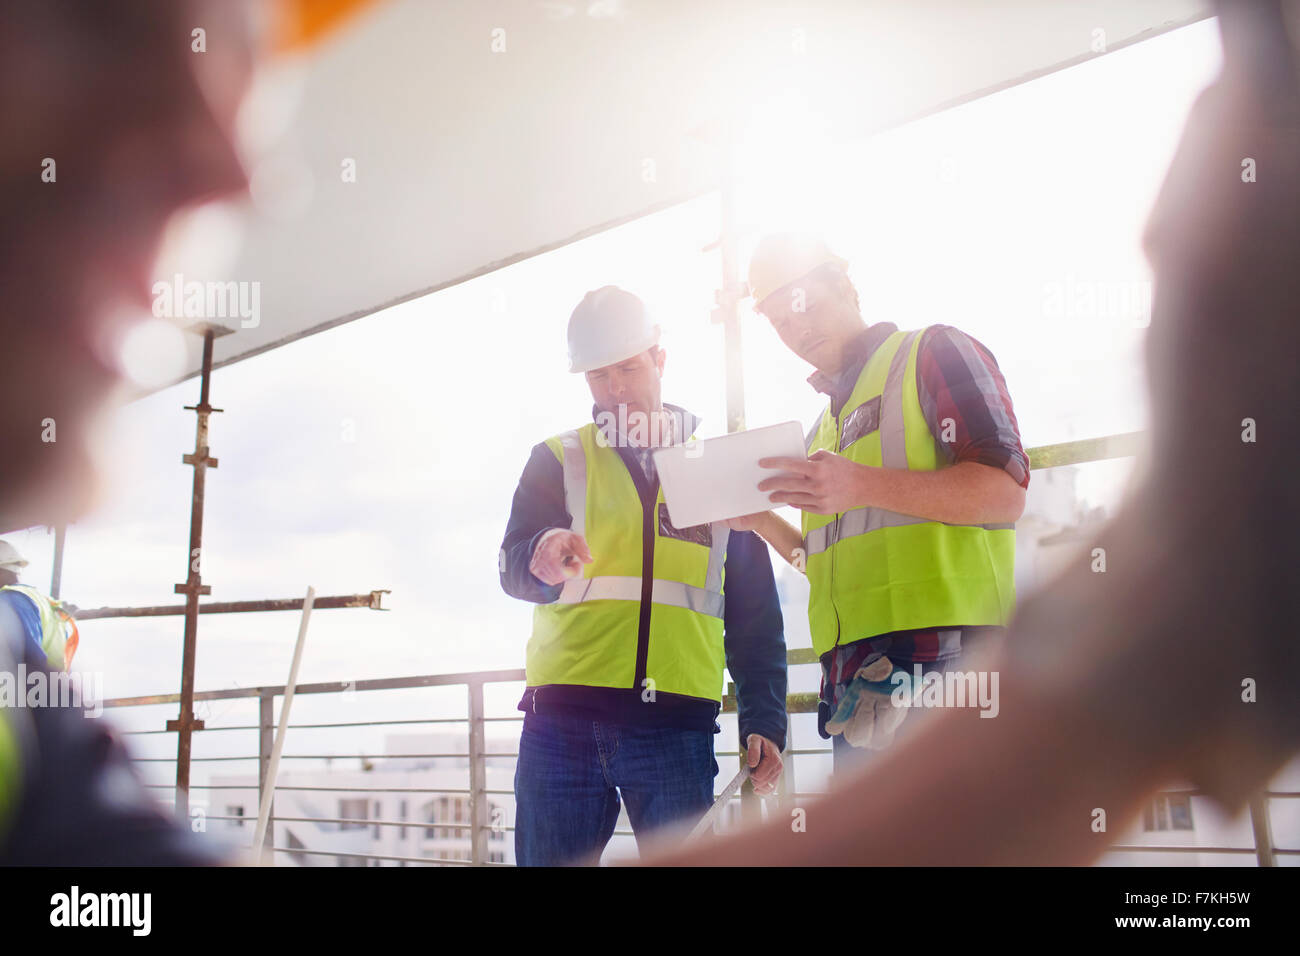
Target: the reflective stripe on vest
(613, 588)
(864, 520)
(594, 634)
(888, 571)
(705, 600)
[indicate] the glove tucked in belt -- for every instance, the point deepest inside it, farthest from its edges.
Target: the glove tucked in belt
(868, 715)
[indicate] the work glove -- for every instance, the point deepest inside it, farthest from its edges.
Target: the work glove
(867, 715)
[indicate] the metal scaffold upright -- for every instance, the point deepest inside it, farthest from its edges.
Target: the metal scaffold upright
(201, 460)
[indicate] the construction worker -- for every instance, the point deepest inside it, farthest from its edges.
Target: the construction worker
(634, 616)
(1118, 686)
(914, 480)
(51, 630)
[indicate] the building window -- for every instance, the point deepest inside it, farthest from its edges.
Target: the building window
(377, 816)
(430, 816)
(353, 809)
(1171, 811)
(235, 812)
(401, 815)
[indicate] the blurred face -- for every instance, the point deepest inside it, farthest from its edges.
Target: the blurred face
(634, 382)
(139, 126)
(816, 318)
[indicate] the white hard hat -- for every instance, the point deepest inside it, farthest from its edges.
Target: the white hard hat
(10, 559)
(608, 326)
(783, 258)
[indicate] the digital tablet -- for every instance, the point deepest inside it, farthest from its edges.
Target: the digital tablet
(717, 478)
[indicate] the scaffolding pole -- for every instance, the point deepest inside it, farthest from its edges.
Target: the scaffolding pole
(730, 293)
(56, 572)
(185, 724)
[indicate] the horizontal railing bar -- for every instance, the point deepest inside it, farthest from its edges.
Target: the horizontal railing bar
(321, 757)
(356, 824)
(373, 856)
(373, 601)
(1084, 450)
(384, 723)
(362, 756)
(192, 759)
(506, 829)
(333, 687)
(280, 786)
(134, 733)
(348, 723)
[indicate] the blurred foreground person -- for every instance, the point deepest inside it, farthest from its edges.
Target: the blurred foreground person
(1180, 662)
(113, 125)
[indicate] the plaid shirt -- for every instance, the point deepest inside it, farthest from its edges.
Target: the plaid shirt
(958, 379)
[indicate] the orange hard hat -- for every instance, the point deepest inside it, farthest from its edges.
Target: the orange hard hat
(302, 23)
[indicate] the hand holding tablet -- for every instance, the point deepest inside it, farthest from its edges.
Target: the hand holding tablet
(717, 478)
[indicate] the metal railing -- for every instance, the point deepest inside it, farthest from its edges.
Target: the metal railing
(479, 827)
(478, 793)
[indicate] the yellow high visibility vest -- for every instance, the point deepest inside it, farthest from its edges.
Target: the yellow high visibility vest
(11, 751)
(872, 571)
(597, 633)
(10, 767)
(59, 635)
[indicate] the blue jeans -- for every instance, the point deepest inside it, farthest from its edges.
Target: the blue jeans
(572, 772)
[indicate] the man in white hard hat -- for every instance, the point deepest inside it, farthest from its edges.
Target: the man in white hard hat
(634, 617)
(50, 631)
(915, 478)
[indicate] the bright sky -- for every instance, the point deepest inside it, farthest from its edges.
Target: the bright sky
(1001, 217)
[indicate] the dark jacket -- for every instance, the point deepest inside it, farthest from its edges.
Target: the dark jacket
(753, 626)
